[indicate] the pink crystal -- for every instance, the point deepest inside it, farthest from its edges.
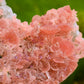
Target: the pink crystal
(44, 52)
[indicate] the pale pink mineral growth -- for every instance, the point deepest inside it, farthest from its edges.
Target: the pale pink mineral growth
(45, 52)
(1, 0)
(1, 12)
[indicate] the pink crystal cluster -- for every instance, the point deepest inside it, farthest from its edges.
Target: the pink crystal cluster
(44, 52)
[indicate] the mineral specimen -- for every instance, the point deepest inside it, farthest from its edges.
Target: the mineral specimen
(44, 52)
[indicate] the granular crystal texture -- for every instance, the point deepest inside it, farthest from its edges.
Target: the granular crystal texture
(45, 52)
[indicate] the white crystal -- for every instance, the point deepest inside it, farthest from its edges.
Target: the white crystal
(7, 11)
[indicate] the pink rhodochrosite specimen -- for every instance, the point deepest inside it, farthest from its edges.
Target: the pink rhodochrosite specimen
(44, 52)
